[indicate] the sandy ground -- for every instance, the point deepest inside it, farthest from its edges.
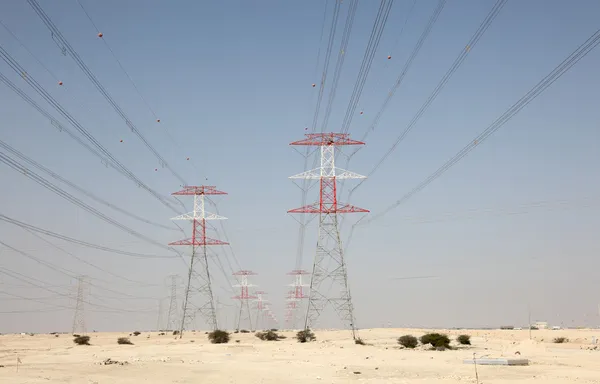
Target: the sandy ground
(333, 358)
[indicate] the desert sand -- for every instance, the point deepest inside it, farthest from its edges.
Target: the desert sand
(333, 358)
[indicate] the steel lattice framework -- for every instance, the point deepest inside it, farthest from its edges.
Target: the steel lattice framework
(261, 309)
(79, 316)
(199, 272)
(244, 297)
(295, 297)
(329, 263)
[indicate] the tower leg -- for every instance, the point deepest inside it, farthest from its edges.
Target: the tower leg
(329, 266)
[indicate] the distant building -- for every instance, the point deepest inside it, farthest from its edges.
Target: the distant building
(541, 324)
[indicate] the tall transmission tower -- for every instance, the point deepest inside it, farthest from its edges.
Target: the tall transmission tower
(172, 313)
(297, 294)
(244, 297)
(329, 263)
(291, 310)
(199, 295)
(261, 309)
(79, 316)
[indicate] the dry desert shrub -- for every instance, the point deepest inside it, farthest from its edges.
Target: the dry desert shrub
(269, 336)
(408, 341)
(218, 337)
(305, 335)
(464, 339)
(124, 341)
(82, 340)
(437, 340)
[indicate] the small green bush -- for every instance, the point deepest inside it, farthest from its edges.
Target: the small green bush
(464, 339)
(560, 340)
(305, 335)
(268, 336)
(124, 341)
(82, 340)
(218, 337)
(437, 340)
(408, 341)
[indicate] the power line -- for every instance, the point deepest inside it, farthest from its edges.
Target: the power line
(483, 27)
(15, 275)
(376, 32)
(72, 199)
(79, 189)
(79, 242)
(152, 111)
(105, 156)
(424, 35)
(585, 48)
(56, 34)
(88, 263)
(340, 60)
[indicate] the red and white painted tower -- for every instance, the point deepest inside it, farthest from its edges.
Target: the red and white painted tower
(329, 263)
(261, 308)
(199, 275)
(244, 297)
(297, 294)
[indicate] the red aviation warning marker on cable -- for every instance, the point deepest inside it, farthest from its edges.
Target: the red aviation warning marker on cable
(199, 270)
(329, 261)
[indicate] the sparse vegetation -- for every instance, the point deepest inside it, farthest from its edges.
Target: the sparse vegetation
(175, 333)
(124, 340)
(560, 340)
(359, 341)
(464, 339)
(305, 335)
(274, 329)
(244, 331)
(408, 341)
(507, 327)
(269, 336)
(437, 340)
(136, 333)
(82, 340)
(218, 337)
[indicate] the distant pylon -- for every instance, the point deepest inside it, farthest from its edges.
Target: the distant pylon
(200, 273)
(297, 294)
(261, 309)
(172, 313)
(244, 297)
(79, 316)
(329, 263)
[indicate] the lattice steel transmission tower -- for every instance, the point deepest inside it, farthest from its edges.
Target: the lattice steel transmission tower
(198, 296)
(261, 308)
(296, 296)
(329, 263)
(79, 316)
(244, 297)
(172, 313)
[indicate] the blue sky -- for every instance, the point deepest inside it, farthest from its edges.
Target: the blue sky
(231, 83)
